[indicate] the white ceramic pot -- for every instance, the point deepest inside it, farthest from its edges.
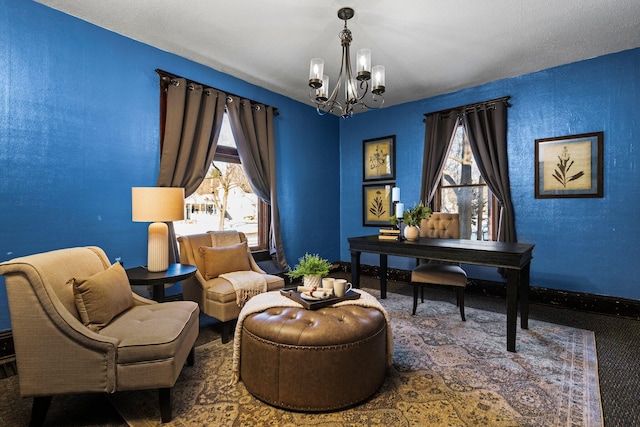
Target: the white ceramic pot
(312, 280)
(411, 233)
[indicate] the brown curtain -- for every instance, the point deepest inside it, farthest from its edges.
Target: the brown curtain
(193, 121)
(486, 128)
(439, 132)
(252, 127)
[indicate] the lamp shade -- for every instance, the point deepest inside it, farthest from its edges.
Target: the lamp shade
(157, 204)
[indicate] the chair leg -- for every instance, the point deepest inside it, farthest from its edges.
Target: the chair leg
(39, 410)
(226, 331)
(191, 358)
(422, 293)
(415, 298)
(461, 302)
(165, 404)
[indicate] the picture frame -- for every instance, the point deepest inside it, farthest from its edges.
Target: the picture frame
(376, 204)
(379, 159)
(569, 166)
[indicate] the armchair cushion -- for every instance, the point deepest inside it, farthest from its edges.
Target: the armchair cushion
(227, 259)
(152, 331)
(102, 297)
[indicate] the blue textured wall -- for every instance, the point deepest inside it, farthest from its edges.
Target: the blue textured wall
(582, 245)
(79, 128)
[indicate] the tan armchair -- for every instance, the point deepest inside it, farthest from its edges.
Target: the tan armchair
(439, 226)
(78, 328)
(216, 296)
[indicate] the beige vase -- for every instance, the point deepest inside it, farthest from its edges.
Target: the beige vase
(411, 233)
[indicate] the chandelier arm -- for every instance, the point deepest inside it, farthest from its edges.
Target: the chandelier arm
(333, 99)
(364, 83)
(374, 98)
(336, 90)
(330, 104)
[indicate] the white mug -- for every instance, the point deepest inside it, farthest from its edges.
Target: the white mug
(341, 287)
(327, 283)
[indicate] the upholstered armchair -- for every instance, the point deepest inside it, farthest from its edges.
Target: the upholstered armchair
(78, 328)
(439, 226)
(217, 253)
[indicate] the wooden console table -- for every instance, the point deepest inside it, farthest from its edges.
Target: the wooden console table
(515, 258)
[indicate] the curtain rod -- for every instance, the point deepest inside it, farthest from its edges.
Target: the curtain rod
(464, 108)
(168, 75)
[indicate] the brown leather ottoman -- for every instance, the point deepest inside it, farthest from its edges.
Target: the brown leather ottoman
(313, 360)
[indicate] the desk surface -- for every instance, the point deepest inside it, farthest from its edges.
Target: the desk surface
(480, 252)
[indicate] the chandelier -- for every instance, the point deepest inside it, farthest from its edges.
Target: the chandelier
(355, 88)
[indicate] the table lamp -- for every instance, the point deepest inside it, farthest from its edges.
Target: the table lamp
(157, 205)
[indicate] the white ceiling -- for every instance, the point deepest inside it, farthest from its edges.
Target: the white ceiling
(428, 47)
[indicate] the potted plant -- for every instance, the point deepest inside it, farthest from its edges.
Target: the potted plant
(412, 218)
(311, 268)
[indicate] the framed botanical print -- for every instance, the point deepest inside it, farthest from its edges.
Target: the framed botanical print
(379, 159)
(569, 166)
(376, 204)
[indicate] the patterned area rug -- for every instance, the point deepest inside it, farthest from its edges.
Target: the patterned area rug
(445, 373)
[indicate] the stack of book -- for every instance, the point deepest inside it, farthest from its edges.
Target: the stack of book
(388, 234)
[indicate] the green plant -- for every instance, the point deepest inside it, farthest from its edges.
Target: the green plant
(414, 215)
(310, 265)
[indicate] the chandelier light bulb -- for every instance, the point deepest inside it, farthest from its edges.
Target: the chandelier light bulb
(378, 80)
(322, 93)
(316, 69)
(364, 64)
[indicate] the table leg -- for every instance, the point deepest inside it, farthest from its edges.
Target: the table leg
(512, 308)
(523, 295)
(158, 293)
(383, 276)
(355, 269)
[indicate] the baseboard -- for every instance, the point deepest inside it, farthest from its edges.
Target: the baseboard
(6, 345)
(580, 301)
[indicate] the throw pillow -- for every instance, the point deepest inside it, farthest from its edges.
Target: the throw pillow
(225, 259)
(102, 296)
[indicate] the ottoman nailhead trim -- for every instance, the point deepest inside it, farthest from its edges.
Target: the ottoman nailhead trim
(312, 347)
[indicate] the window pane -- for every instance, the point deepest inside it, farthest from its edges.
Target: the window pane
(463, 190)
(471, 203)
(460, 167)
(224, 189)
(226, 136)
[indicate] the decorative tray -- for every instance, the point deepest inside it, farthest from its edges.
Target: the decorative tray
(314, 305)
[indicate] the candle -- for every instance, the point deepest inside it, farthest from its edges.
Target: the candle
(316, 70)
(399, 210)
(395, 194)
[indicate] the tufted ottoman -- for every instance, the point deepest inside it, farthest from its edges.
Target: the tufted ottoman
(307, 360)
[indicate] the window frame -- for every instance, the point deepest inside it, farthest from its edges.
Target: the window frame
(230, 155)
(493, 203)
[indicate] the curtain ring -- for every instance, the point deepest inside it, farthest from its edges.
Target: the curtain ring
(175, 82)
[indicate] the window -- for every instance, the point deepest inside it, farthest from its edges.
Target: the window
(463, 190)
(224, 200)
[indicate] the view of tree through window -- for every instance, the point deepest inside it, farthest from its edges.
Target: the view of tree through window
(224, 200)
(464, 191)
